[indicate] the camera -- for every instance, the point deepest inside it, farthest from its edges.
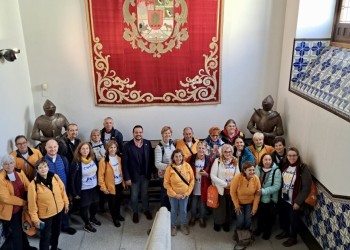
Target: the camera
(285, 194)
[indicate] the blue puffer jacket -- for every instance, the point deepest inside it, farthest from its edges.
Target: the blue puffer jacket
(270, 192)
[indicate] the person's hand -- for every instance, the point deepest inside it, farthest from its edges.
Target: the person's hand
(128, 183)
(77, 197)
(258, 192)
(296, 206)
(106, 192)
(37, 224)
(203, 173)
(66, 208)
(228, 184)
(238, 210)
(253, 212)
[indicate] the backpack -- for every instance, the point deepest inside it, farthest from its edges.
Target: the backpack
(243, 238)
(171, 142)
(212, 197)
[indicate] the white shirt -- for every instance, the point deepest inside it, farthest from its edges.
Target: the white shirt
(199, 164)
(289, 176)
(115, 166)
(89, 175)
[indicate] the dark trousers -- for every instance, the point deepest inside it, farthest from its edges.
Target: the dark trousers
(114, 202)
(49, 235)
(266, 216)
(88, 212)
(164, 199)
(223, 214)
(289, 219)
(18, 238)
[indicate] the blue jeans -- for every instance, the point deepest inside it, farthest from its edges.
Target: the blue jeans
(244, 219)
(135, 189)
(175, 205)
(197, 205)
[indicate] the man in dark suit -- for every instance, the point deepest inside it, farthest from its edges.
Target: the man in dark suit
(136, 162)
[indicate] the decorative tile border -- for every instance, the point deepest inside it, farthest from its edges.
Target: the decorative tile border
(329, 221)
(320, 74)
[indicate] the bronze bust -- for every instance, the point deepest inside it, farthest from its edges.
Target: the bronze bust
(266, 121)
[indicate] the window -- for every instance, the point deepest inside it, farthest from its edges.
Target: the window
(341, 27)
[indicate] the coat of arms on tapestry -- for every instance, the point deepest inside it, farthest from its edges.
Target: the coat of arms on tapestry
(155, 52)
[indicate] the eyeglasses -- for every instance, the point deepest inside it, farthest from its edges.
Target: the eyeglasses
(21, 143)
(227, 152)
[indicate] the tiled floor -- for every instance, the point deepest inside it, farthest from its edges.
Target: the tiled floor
(132, 236)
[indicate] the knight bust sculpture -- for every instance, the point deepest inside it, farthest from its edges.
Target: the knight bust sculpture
(50, 125)
(266, 121)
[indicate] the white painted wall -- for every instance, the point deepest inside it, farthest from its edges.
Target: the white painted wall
(315, 18)
(16, 101)
(58, 54)
(321, 136)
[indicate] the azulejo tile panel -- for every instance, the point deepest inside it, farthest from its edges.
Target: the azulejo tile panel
(320, 73)
(329, 221)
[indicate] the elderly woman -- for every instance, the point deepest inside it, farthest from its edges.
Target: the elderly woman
(270, 180)
(259, 148)
(162, 157)
(230, 132)
(296, 186)
(214, 143)
(110, 179)
(200, 164)
(47, 200)
(222, 172)
(241, 152)
(13, 187)
(179, 182)
(84, 185)
(245, 195)
(96, 144)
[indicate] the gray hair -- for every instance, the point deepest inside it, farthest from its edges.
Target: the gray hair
(7, 159)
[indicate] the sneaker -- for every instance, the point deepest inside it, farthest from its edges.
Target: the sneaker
(69, 230)
(217, 227)
(282, 235)
(95, 222)
(89, 228)
(185, 230)
(120, 218)
(135, 218)
(290, 242)
(148, 215)
(202, 223)
(116, 223)
(173, 230)
(192, 222)
(226, 227)
(266, 235)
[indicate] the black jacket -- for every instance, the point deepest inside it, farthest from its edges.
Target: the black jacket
(115, 135)
(131, 164)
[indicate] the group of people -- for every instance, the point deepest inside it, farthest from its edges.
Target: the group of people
(251, 180)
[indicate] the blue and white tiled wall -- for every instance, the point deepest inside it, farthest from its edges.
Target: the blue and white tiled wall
(329, 221)
(321, 73)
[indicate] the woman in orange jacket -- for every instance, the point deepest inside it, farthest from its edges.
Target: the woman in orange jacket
(110, 179)
(245, 196)
(13, 186)
(179, 182)
(47, 201)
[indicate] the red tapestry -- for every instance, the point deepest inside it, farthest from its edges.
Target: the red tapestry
(155, 52)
